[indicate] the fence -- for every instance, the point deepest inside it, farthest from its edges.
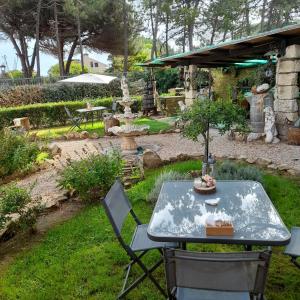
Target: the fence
(7, 82)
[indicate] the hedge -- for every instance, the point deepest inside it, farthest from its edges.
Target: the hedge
(31, 94)
(48, 114)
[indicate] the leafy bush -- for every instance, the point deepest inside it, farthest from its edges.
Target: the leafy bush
(12, 200)
(93, 176)
(17, 153)
(20, 95)
(165, 176)
(167, 78)
(232, 171)
(31, 94)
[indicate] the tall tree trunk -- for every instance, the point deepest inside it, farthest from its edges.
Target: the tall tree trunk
(247, 12)
(79, 38)
(70, 56)
(270, 15)
(190, 28)
(125, 22)
(167, 33)
(20, 55)
(59, 45)
(37, 37)
(262, 18)
(154, 16)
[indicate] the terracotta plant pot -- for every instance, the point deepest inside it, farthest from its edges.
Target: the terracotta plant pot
(294, 136)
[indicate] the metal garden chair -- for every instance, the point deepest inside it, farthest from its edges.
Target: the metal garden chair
(113, 110)
(118, 207)
(216, 276)
(293, 248)
(76, 121)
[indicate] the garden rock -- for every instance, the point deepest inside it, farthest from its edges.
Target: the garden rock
(55, 149)
(84, 135)
(251, 160)
(263, 161)
(94, 136)
(273, 167)
(283, 167)
(151, 159)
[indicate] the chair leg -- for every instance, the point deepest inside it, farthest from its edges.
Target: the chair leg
(294, 261)
(133, 261)
(147, 273)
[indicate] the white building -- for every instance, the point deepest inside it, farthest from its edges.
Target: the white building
(93, 65)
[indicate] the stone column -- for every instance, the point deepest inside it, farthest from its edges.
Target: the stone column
(190, 84)
(287, 89)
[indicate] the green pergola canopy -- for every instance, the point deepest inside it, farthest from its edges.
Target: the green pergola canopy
(242, 53)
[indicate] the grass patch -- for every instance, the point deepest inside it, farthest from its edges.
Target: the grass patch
(98, 127)
(81, 259)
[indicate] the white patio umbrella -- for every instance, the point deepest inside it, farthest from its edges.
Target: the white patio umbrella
(89, 78)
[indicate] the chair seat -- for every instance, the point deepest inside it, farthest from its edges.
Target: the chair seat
(140, 240)
(293, 248)
(197, 294)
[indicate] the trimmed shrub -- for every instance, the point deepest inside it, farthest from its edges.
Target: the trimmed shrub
(165, 176)
(232, 171)
(20, 95)
(92, 177)
(12, 200)
(49, 114)
(17, 153)
(31, 94)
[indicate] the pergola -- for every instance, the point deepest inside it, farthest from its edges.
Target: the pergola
(234, 52)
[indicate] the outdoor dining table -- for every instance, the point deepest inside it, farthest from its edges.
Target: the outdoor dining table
(91, 111)
(180, 215)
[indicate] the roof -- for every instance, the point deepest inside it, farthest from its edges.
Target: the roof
(235, 51)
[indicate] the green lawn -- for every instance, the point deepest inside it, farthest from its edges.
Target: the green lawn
(98, 127)
(81, 259)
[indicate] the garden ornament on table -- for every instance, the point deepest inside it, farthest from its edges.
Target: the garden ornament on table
(270, 127)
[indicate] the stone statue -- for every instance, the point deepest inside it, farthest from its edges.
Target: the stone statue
(270, 128)
(125, 90)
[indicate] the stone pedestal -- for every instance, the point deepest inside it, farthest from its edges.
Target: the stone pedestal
(128, 143)
(190, 85)
(287, 90)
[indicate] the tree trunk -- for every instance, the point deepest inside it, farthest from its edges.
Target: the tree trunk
(79, 38)
(262, 18)
(190, 36)
(247, 11)
(154, 27)
(270, 15)
(125, 21)
(70, 56)
(59, 46)
(37, 37)
(20, 55)
(167, 33)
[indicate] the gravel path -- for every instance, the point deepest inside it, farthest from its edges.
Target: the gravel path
(168, 146)
(171, 145)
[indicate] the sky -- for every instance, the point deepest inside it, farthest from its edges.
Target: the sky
(7, 51)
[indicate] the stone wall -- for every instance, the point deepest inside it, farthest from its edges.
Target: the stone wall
(287, 89)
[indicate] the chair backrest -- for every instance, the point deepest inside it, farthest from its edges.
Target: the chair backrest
(117, 206)
(114, 106)
(235, 272)
(68, 112)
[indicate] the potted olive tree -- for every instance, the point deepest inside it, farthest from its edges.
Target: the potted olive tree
(203, 114)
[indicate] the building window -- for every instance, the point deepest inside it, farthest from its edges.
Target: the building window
(91, 63)
(96, 65)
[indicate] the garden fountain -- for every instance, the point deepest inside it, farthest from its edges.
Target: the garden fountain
(128, 131)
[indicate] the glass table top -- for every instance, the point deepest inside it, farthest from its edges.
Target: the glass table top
(180, 214)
